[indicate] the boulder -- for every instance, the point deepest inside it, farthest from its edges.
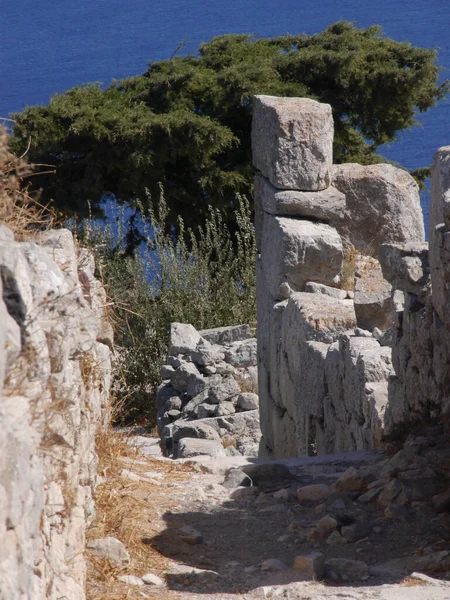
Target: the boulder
(248, 401)
(226, 335)
(224, 390)
(319, 288)
(405, 266)
(241, 353)
(110, 549)
(292, 142)
(189, 447)
(180, 377)
(183, 338)
(327, 205)
(193, 429)
(382, 206)
(297, 252)
(373, 295)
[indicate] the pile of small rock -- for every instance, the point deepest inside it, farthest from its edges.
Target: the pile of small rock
(211, 378)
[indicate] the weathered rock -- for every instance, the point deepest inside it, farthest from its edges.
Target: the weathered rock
(189, 447)
(193, 429)
(313, 493)
(151, 579)
(236, 478)
(319, 288)
(181, 376)
(310, 566)
(297, 252)
(206, 354)
(271, 473)
(292, 142)
(327, 524)
(347, 569)
(350, 481)
(241, 353)
(327, 205)
(223, 391)
(226, 335)
(183, 338)
(224, 409)
(205, 410)
(373, 296)
(131, 580)
(110, 549)
(248, 401)
(405, 266)
(273, 564)
(355, 531)
(190, 535)
(382, 206)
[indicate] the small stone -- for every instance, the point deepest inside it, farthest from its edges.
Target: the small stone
(151, 579)
(190, 535)
(347, 569)
(241, 493)
(327, 524)
(350, 481)
(282, 495)
(236, 478)
(397, 512)
(355, 531)
(369, 495)
(131, 580)
(273, 564)
(310, 565)
(110, 549)
(248, 401)
(313, 493)
(336, 538)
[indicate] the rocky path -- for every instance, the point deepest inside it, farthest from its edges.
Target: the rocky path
(333, 527)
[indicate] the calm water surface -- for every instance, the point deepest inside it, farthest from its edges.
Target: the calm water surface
(49, 46)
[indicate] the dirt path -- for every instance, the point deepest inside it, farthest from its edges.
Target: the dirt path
(246, 539)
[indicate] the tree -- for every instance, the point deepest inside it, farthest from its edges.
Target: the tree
(186, 121)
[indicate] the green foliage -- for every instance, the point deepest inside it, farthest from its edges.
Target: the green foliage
(186, 121)
(207, 279)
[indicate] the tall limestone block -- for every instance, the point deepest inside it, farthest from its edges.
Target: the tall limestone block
(296, 252)
(292, 142)
(382, 206)
(439, 233)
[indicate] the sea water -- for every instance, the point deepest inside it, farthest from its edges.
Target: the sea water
(51, 45)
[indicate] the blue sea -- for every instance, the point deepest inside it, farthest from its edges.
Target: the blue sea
(49, 46)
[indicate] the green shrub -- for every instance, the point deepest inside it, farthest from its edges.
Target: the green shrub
(206, 278)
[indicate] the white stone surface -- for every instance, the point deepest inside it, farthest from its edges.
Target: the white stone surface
(292, 142)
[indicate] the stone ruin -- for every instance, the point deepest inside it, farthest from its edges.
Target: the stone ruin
(207, 402)
(351, 341)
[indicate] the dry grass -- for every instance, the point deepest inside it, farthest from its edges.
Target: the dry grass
(128, 511)
(349, 268)
(20, 211)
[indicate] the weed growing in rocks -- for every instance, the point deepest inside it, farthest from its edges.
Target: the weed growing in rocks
(206, 278)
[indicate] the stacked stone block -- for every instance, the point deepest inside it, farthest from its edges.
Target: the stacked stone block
(55, 374)
(323, 365)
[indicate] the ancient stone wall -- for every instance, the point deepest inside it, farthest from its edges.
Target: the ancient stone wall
(324, 361)
(54, 386)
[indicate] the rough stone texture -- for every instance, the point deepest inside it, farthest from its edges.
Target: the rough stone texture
(205, 378)
(327, 205)
(54, 387)
(406, 266)
(325, 384)
(292, 142)
(296, 252)
(382, 206)
(373, 296)
(420, 347)
(188, 447)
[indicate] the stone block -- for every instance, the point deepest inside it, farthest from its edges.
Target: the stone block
(296, 252)
(226, 335)
(405, 266)
(183, 338)
(292, 142)
(311, 566)
(327, 205)
(382, 206)
(189, 447)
